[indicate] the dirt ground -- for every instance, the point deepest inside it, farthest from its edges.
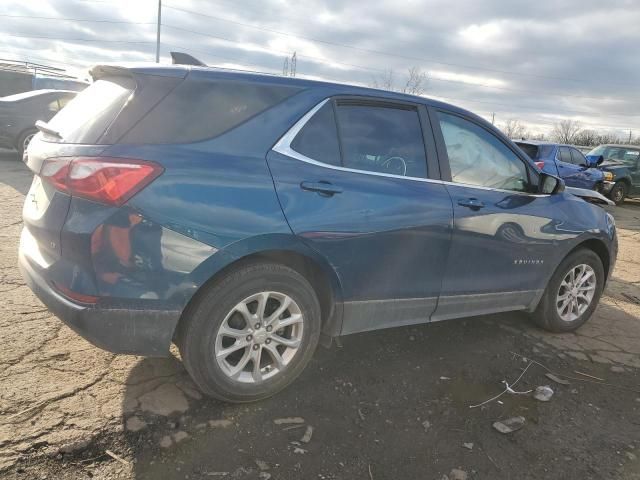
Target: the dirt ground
(393, 404)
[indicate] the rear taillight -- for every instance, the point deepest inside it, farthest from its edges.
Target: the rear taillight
(102, 179)
(539, 165)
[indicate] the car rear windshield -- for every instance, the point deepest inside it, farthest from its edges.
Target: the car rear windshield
(201, 109)
(85, 118)
(530, 150)
(535, 151)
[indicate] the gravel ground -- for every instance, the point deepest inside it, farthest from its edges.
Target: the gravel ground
(383, 405)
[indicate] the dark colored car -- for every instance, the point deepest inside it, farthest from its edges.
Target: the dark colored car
(566, 162)
(20, 112)
(246, 217)
(622, 162)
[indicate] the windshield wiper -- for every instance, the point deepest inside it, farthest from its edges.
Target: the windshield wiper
(45, 128)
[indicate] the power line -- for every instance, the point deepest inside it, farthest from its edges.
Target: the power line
(65, 19)
(78, 39)
(431, 77)
(367, 50)
(575, 112)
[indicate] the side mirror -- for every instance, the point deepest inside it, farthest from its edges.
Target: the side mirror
(594, 160)
(550, 185)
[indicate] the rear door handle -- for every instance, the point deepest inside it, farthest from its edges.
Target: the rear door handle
(472, 203)
(323, 188)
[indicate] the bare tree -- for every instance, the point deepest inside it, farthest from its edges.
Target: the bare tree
(586, 137)
(565, 131)
(415, 82)
(383, 81)
(514, 129)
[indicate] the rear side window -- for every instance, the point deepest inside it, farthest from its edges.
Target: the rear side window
(382, 139)
(318, 139)
(201, 109)
(85, 118)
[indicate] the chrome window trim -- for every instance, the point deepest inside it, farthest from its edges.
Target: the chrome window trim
(283, 146)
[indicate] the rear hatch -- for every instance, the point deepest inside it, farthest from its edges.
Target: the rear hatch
(79, 133)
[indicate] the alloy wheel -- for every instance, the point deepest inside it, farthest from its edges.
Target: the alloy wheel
(25, 142)
(576, 292)
(259, 337)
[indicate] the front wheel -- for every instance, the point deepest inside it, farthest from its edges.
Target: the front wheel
(573, 293)
(618, 192)
(250, 334)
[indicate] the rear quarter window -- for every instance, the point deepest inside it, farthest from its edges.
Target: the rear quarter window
(202, 109)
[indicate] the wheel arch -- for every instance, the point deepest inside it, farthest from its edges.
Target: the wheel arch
(284, 250)
(19, 138)
(600, 249)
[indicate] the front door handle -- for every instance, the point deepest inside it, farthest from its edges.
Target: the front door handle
(323, 188)
(472, 203)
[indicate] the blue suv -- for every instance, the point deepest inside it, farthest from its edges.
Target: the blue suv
(247, 217)
(568, 163)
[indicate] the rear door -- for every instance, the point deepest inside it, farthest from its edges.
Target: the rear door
(504, 236)
(354, 177)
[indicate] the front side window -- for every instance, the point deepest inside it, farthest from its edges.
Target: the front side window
(477, 157)
(382, 139)
(564, 155)
(577, 158)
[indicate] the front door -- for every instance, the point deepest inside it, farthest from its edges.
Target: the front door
(572, 174)
(503, 241)
(352, 177)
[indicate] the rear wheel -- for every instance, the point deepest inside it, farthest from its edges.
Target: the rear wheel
(573, 293)
(619, 192)
(23, 141)
(251, 334)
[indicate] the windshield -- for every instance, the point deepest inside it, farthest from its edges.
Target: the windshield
(622, 154)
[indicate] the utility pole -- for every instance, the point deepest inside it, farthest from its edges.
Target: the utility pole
(493, 118)
(629, 137)
(158, 32)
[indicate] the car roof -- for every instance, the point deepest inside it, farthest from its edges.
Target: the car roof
(33, 93)
(183, 71)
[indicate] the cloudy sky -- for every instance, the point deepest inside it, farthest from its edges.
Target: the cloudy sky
(536, 61)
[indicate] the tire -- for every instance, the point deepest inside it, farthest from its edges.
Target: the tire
(202, 343)
(619, 192)
(547, 315)
(23, 142)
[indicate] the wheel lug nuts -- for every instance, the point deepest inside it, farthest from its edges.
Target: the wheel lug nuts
(256, 346)
(257, 326)
(267, 341)
(249, 338)
(269, 328)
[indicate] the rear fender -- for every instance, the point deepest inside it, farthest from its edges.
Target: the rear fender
(265, 246)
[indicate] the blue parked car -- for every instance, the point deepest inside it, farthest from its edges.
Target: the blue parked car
(246, 217)
(568, 163)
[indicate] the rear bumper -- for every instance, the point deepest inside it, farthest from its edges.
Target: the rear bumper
(126, 330)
